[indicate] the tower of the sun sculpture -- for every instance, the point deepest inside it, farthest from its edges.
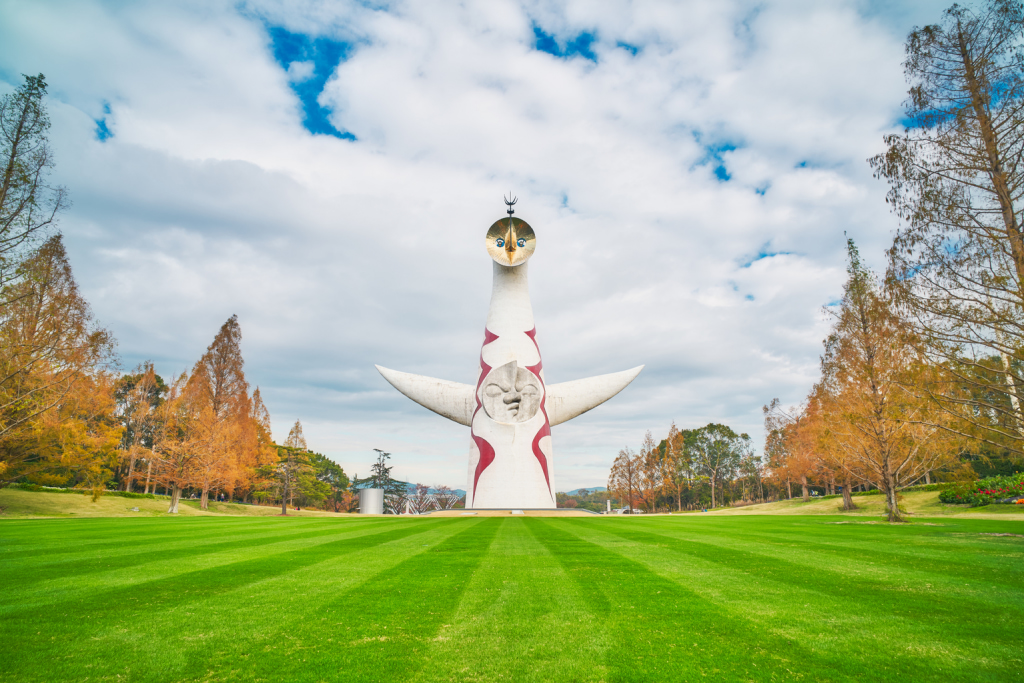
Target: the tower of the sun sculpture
(511, 410)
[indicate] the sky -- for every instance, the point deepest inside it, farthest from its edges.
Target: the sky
(327, 171)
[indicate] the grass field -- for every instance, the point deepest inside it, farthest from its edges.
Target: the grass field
(683, 598)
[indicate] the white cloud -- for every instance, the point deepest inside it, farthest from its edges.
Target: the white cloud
(212, 199)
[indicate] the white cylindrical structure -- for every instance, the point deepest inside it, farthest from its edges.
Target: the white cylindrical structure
(371, 501)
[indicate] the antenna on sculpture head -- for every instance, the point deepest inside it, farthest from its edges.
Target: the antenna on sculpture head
(510, 204)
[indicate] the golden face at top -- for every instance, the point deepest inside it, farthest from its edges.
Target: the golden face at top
(511, 241)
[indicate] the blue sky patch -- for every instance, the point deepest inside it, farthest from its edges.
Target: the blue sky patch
(325, 55)
(763, 253)
(578, 46)
(713, 157)
(632, 49)
(103, 133)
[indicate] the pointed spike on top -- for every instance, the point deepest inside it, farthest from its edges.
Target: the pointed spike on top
(509, 204)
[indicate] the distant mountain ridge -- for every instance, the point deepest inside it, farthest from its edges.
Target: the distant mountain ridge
(588, 489)
(411, 488)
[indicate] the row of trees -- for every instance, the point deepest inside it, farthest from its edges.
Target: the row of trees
(69, 418)
(923, 369)
(875, 417)
(688, 469)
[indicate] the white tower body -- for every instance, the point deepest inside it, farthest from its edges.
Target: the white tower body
(511, 409)
(510, 456)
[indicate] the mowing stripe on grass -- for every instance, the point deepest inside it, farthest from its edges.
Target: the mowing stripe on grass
(229, 572)
(659, 630)
(71, 587)
(51, 544)
(937, 584)
(918, 545)
(241, 634)
(386, 623)
(172, 593)
(139, 554)
(521, 618)
(814, 606)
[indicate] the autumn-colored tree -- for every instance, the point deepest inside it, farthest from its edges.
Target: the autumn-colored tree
(138, 395)
(219, 374)
(49, 344)
(231, 430)
(677, 468)
(651, 471)
(624, 478)
(177, 444)
(871, 412)
(790, 446)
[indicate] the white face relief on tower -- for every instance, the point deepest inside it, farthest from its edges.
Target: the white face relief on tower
(510, 394)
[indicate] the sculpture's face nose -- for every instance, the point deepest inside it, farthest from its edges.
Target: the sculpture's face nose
(511, 241)
(510, 245)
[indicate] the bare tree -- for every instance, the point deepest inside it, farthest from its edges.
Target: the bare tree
(956, 179)
(624, 478)
(28, 206)
(446, 498)
(420, 500)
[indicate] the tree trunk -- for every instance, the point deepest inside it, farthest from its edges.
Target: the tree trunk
(928, 477)
(803, 484)
(175, 497)
(891, 499)
(149, 470)
(789, 489)
(848, 495)
(995, 165)
(204, 501)
(713, 484)
(284, 499)
(131, 474)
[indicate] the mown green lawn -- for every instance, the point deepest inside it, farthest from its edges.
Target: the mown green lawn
(689, 598)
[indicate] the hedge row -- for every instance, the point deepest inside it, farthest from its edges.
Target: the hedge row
(986, 491)
(88, 492)
(942, 486)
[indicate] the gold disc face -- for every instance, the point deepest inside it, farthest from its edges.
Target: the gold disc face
(511, 241)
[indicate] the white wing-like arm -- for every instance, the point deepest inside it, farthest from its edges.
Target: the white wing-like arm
(569, 399)
(448, 399)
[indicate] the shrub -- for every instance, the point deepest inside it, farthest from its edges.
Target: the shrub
(985, 491)
(86, 492)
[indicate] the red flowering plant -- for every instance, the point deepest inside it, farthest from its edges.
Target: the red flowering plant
(1007, 489)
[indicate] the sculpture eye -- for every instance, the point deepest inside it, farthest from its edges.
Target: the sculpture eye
(500, 242)
(521, 242)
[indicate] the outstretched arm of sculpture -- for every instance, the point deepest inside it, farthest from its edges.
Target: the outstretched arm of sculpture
(457, 401)
(569, 399)
(449, 399)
